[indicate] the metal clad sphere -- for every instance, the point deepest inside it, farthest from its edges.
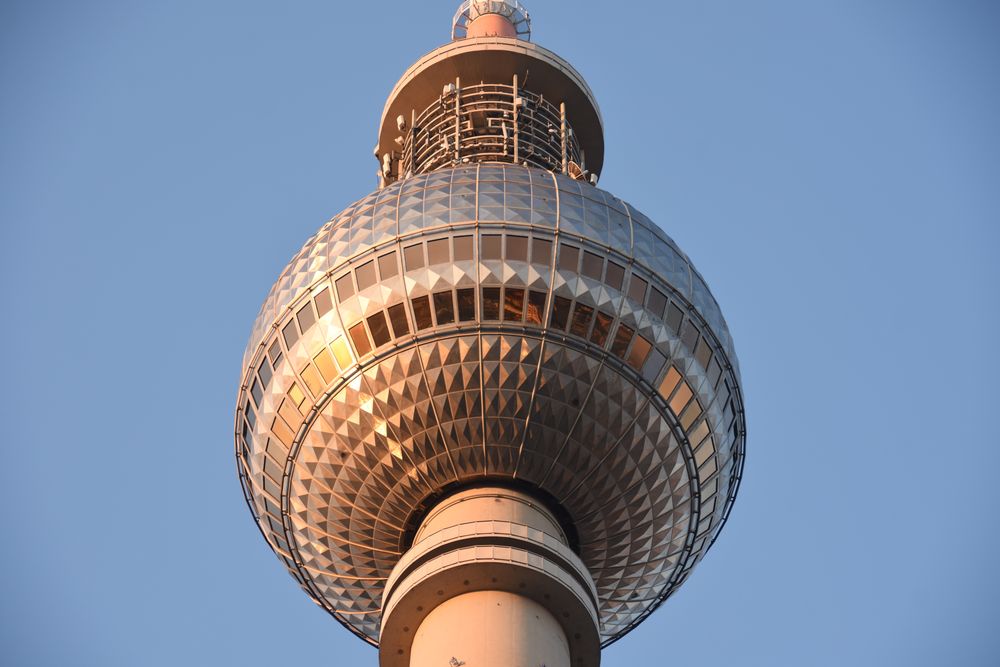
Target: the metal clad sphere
(490, 322)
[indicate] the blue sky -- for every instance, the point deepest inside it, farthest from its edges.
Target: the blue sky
(832, 168)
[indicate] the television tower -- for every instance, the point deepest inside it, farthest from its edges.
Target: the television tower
(490, 415)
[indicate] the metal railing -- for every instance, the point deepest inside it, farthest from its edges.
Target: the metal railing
(488, 123)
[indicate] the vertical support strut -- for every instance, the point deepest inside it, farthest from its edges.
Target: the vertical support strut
(562, 134)
(516, 112)
(458, 120)
(413, 142)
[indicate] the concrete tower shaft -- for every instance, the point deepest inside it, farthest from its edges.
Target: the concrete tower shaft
(492, 25)
(491, 579)
(491, 18)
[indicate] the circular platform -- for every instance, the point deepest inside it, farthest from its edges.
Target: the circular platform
(496, 60)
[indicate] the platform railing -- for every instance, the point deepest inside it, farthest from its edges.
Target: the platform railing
(488, 122)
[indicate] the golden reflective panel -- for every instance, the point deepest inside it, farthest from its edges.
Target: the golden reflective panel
(341, 352)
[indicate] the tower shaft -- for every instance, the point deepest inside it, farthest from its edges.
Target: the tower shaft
(490, 581)
(493, 629)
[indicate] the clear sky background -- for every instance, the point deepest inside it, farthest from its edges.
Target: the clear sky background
(832, 168)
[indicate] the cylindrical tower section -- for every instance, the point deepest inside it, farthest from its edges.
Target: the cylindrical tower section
(492, 25)
(490, 581)
(489, 504)
(490, 628)
(491, 18)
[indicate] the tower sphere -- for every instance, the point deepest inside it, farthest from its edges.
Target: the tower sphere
(490, 319)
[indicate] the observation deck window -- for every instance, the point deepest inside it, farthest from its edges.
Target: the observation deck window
(422, 312)
(491, 303)
(413, 256)
(397, 316)
(444, 307)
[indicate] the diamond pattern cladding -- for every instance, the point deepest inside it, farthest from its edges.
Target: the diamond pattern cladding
(490, 322)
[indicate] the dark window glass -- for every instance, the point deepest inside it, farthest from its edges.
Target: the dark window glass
(397, 315)
(265, 372)
(593, 265)
(345, 288)
(637, 289)
(674, 317)
(704, 353)
(491, 246)
(560, 313)
(615, 275)
(536, 307)
(491, 303)
(689, 336)
(657, 302)
(365, 275)
(250, 415)
(380, 329)
(569, 257)
(714, 372)
(437, 251)
(323, 302)
(466, 304)
(517, 248)
(653, 365)
(257, 392)
(637, 355)
(601, 328)
(413, 256)
(513, 304)
(444, 307)
(463, 248)
(581, 320)
(306, 317)
(290, 333)
(275, 353)
(422, 312)
(541, 251)
(387, 265)
(360, 338)
(622, 338)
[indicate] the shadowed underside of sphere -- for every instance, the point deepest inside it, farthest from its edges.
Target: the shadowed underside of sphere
(490, 323)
